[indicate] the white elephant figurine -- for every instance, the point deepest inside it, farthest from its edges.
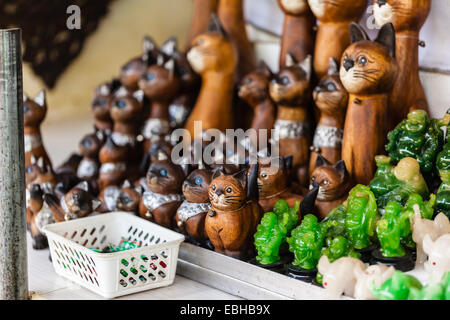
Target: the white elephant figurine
(438, 252)
(339, 277)
(421, 227)
(372, 275)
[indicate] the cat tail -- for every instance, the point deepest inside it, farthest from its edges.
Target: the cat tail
(308, 205)
(53, 203)
(252, 187)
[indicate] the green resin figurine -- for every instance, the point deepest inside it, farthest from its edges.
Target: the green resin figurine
(418, 137)
(306, 242)
(335, 221)
(438, 291)
(398, 287)
(443, 193)
(272, 231)
(361, 215)
(392, 228)
(397, 183)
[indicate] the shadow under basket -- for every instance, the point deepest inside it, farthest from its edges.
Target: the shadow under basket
(110, 275)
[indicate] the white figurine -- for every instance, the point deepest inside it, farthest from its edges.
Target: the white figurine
(421, 227)
(339, 277)
(372, 275)
(438, 252)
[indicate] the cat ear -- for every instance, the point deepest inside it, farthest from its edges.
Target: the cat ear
(104, 90)
(95, 204)
(161, 155)
(290, 60)
(148, 45)
(25, 97)
(333, 68)
(241, 176)
(139, 95)
(216, 26)
(170, 65)
(83, 185)
(139, 189)
(170, 46)
(357, 33)
(321, 161)
(265, 69)
(121, 92)
(40, 163)
(33, 159)
(386, 37)
(306, 66)
(219, 171)
(40, 98)
(160, 60)
(126, 184)
(341, 168)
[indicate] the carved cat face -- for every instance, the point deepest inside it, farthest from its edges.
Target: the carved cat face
(38, 172)
(34, 110)
(127, 106)
(195, 187)
(133, 70)
(80, 201)
(404, 14)
(291, 84)
(337, 10)
(164, 177)
(332, 180)
(369, 67)
(129, 197)
(270, 180)
(228, 192)
(330, 95)
(294, 7)
(160, 81)
(254, 87)
(90, 145)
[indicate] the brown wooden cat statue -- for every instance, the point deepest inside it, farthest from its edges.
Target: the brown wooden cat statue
(182, 104)
(214, 57)
(101, 105)
(133, 70)
(41, 173)
(163, 197)
(89, 166)
(113, 159)
(333, 185)
(34, 112)
(77, 203)
(201, 13)
(124, 198)
(192, 212)
(161, 84)
(231, 15)
(332, 36)
(368, 71)
(331, 99)
(408, 17)
(37, 216)
(273, 183)
(254, 89)
(290, 91)
(298, 30)
(235, 213)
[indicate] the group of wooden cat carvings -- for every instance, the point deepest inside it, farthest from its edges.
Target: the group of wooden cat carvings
(352, 81)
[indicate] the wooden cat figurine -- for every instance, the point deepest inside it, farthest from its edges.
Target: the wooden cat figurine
(331, 99)
(235, 213)
(368, 71)
(124, 198)
(160, 83)
(101, 105)
(254, 89)
(34, 112)
(333, 185)
(41, 173)
(214, 57)
(192, 212)
(332, 36)
(36, 216)
(163, 195)
(231, 15)
(77, 203)
(201, 14)
(182, 104)
(89, 166)
(290, 91)
(408, 17)
(113, 159)
(273, 184)
(133, 70)
(298, 30)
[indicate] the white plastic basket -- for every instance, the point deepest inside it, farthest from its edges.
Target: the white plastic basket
(119, 273)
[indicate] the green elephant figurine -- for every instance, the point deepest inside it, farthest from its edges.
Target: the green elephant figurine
(398, 287)
(417, 137)
(397, 183)
(306, 242)
(361, 216)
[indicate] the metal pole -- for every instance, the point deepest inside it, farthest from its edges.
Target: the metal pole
(13, 241)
